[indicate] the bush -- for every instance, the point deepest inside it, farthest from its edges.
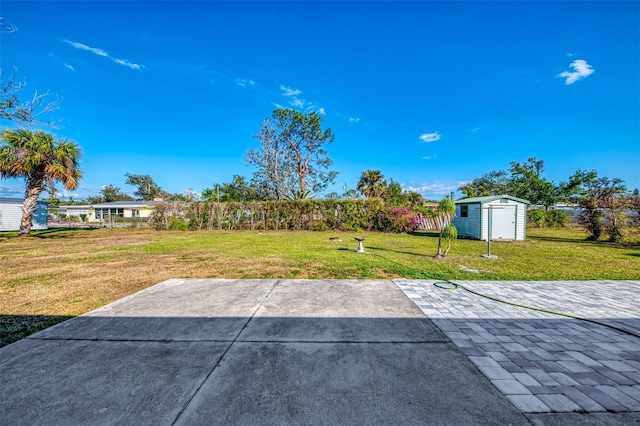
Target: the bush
(536, 218)
(401, 220)
(339, 215)
(547, 218)
(556, 218)
(178, 225)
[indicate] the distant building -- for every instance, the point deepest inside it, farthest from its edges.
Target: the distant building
(11, 215)
(104, 212)
(499, 217)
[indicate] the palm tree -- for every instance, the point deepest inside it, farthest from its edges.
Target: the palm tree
(448, 231)
(371, 183)
(41, 159)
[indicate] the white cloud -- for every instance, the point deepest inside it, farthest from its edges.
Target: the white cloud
(103, 53)
(244, 82)
(353, 119)
(430, 137)
(11, 191)
(279, 106)
(81, 46)
(581, 70)
(475, 130)
(289, 91)
(69, 66)
(126, 63)
(429, 157)
(434, 189)
(297, 103)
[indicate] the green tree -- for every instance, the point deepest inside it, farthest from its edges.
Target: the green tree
(446, 210)
(147, 189)
(526, 182)
(237, 190)
(371, 183)
(111, 193)
(603, 202)
(394, 195)
(634, 206)
(492, 183)
(351, 194)
(292, 158)
(42, 160)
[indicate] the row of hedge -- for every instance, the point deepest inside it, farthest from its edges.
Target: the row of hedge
(311, 215)
(540, 218)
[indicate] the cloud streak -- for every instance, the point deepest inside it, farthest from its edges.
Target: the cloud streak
(581, 69)
(288, 91)
(244, 82)
(433, 189)
(103, 53)
(300, 103)
(81, 46)
(430, 137)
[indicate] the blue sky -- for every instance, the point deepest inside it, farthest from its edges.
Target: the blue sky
(433, 94)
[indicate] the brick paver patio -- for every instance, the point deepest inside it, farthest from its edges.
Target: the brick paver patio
(543, 362)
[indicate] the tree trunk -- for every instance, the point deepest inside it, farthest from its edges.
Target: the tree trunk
(30, 204)
(439, 253)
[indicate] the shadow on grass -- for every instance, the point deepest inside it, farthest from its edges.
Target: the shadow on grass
(561, 239)
(16, 327)
(426, 234)
(381, 249)
(59, 232)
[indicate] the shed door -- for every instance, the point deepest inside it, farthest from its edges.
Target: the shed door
(503, 219)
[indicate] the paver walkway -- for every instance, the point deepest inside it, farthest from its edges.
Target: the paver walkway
(543, 362)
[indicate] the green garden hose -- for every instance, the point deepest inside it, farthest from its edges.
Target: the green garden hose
(448, 285)
(445, 284)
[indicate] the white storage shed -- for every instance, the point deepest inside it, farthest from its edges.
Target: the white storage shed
(499, 217)
(11, 215)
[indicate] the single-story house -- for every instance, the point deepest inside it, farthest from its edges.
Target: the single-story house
(70, 211)
(498, 217)
(11, 215)
(105, 211)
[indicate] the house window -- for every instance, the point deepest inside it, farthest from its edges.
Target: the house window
(135, 213)
(464, 211)
(504, 201)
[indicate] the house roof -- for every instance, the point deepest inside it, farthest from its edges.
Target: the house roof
(124, 204)
(488, 199)
(117, 204)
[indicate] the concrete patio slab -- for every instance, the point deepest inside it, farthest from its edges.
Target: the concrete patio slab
(339, 311)
(174, 310)
(62, 382)
(248, 352)
(347, 384)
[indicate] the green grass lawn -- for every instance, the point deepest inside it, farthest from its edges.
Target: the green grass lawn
(60, 273)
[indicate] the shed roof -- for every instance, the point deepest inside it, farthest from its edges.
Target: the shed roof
(488, 199)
